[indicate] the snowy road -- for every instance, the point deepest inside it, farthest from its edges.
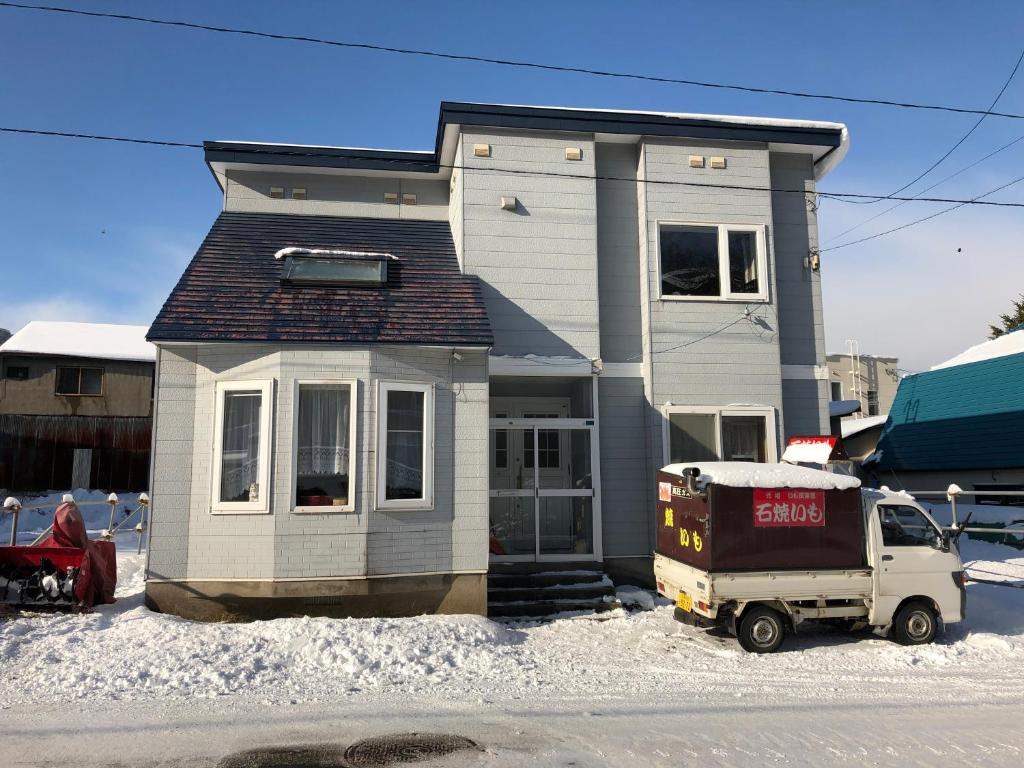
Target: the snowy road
(124, 686)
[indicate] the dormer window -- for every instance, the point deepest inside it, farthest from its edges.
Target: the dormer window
(321, 266)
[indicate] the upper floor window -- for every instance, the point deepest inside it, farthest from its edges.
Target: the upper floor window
(333, 267)
(707, 262)
(73, 380)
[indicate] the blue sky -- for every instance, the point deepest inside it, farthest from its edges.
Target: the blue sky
(101, 232)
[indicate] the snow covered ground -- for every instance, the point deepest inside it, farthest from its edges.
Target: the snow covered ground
(631, 687)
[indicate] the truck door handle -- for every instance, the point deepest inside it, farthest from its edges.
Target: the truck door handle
(887, 557)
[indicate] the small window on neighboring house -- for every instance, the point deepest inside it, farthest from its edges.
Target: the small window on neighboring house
(405, 446)
(325, 267)
(837, 390)
(79, 381)
(872, 398)
(712, 262)
(325, 446)
(719, 434)
(17, 372)
(241, 466)
(277, 193)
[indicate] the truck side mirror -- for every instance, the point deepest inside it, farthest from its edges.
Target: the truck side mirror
(942, 541)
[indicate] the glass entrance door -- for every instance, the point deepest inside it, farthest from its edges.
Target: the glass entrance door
(543, 495)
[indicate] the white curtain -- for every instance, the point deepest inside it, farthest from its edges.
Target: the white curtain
(323, 430)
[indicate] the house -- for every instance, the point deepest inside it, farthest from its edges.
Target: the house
(75, 407)
(872, 380)
(386, 373)
(961, 422)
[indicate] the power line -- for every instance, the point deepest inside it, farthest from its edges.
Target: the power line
(949, 151)
(284, 151)
(508, 62)
(926, 218)
(940, 182)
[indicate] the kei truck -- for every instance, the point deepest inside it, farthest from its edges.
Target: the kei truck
(757, 549)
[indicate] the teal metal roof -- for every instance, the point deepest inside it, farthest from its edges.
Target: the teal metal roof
(967, 416)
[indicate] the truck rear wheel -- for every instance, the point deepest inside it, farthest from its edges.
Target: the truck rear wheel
(761, 630)
(915, 624)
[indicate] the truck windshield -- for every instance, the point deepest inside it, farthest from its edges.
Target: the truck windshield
(904, 526)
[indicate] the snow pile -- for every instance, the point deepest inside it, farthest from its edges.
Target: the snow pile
(635, 597)
(102, 341)
(1008, 344)
(743, 474)
(808, 451)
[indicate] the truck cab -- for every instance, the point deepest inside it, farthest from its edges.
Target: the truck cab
(913, 560)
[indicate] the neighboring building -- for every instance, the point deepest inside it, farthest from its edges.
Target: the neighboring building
(870, 379)
(961, 422)
(75, 407)
(386, 372)
(860, 436)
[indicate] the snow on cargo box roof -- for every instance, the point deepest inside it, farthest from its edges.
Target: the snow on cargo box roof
(96, 341)
(743, 474)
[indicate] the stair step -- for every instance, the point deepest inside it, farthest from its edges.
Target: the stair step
(572, 592)
(548, 609)
(538, 580)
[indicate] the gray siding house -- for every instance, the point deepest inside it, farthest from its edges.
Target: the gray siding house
(386, 374)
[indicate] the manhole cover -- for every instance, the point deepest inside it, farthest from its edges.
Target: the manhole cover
(381, 751)
(311, 756)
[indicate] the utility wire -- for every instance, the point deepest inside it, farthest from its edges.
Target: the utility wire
(285, 152)
(509, 62)
(904, 201)
(926, 218)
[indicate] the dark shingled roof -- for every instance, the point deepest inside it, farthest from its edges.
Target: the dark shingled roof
(232, 289)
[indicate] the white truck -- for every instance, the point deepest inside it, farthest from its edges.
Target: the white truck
(759, 549)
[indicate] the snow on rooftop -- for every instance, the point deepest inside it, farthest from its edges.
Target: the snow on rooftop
(842, 407)
(1011, 343)
(743, 474)
(324, 146)
(852, 427)
(92, 340)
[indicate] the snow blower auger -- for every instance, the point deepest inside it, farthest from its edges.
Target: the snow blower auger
(65, 571)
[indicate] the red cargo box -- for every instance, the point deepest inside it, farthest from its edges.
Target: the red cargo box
(734, 528)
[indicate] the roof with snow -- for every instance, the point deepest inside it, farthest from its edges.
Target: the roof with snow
(232, 290)
(826, 142)
(852, 427)
(961, 416)
(745, 474)
(1011, 343)
(96, 341)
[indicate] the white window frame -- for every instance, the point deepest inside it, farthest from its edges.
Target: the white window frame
(768, 412)
(262, 506)
(353, 385)
(723, 260)
(427, 500)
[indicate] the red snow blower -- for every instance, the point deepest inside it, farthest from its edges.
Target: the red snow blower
(64, 571)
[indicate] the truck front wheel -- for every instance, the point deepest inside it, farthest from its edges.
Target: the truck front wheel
(915, 624)
(761, 630)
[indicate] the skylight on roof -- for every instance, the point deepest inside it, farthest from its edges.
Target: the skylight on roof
(323, 266)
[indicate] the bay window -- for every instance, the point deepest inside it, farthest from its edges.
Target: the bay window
(405, 446)
(241, 458)
(699, 433)
(712, 261)
(324, 446)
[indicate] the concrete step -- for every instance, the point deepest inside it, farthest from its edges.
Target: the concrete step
(537, 610)
(543, 578)
(568, 592)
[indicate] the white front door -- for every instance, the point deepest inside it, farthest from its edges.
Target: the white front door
(544, 505)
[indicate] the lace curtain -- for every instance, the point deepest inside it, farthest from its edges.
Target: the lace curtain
(323, 430)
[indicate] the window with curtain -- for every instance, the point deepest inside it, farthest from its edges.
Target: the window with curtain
(710, 434)
(323, 434)
(405, 446)
(240, 446)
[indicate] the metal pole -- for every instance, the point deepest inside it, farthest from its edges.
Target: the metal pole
(951, 493)
(140, 528)
(112, 501)
(13, 506)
